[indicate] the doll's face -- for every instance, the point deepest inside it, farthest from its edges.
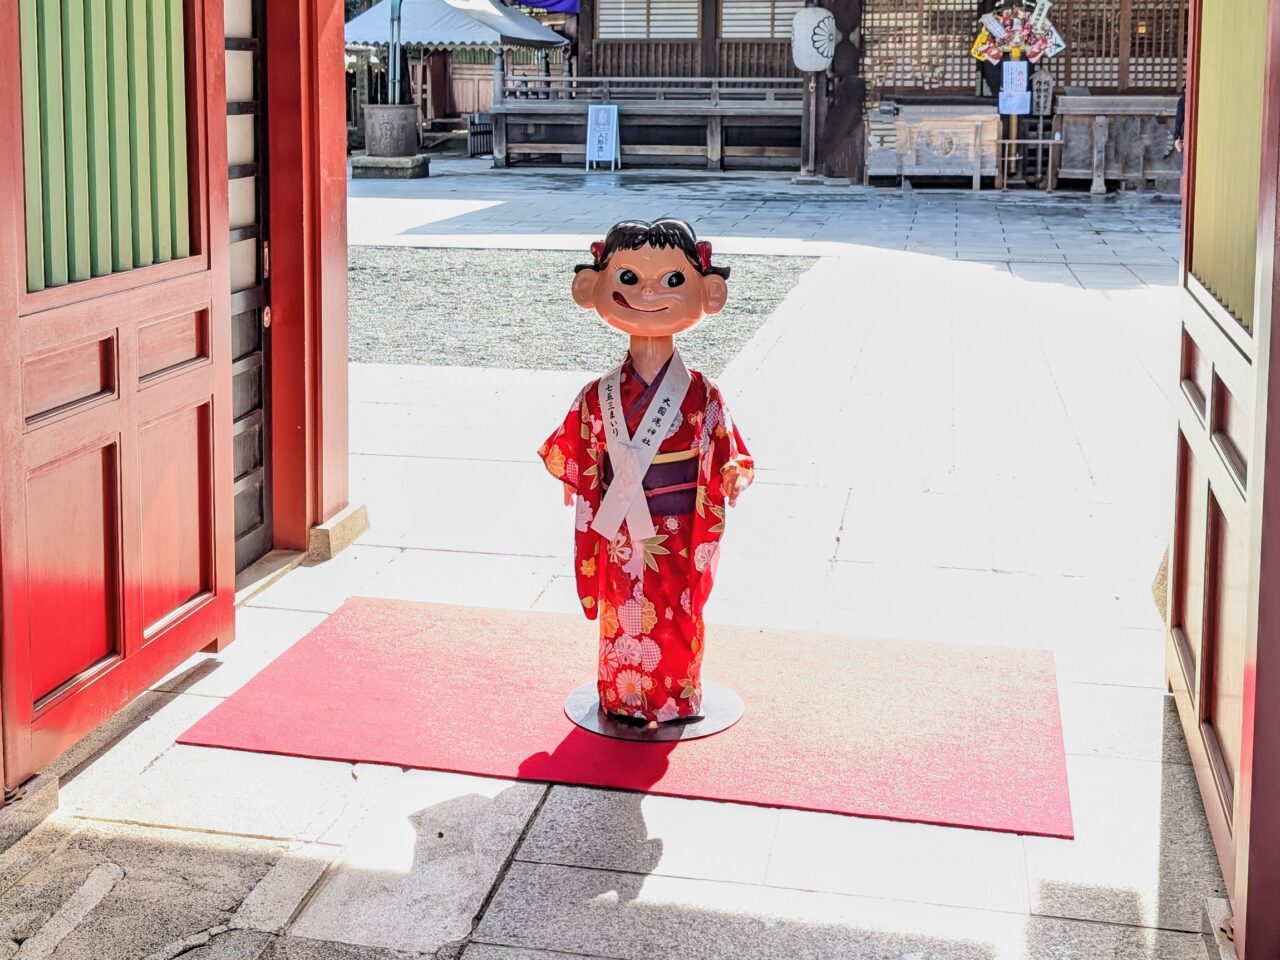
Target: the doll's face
(649, 292)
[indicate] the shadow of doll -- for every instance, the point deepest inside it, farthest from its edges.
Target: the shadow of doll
(612, 834)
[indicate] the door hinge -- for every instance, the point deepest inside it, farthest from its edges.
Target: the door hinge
(266, 259)
(266, 317)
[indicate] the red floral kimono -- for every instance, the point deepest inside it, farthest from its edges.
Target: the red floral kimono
(648, 595)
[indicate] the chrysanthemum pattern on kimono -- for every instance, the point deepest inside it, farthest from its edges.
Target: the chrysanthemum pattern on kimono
(648, 595)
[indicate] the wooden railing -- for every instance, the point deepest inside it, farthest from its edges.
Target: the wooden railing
(755, 58)
(646, 58)
(694, 91)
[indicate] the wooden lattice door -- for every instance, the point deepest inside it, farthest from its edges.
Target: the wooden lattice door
(250, 277)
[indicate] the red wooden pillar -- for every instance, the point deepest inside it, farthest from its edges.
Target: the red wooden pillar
(307, 186)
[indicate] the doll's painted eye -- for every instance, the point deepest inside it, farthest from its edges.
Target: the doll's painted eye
(628, 277)
(673, 279)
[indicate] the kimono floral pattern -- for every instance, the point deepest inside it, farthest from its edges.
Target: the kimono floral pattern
(648, 595)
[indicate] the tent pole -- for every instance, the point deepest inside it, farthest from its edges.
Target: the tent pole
(422, 89)
(393, 68)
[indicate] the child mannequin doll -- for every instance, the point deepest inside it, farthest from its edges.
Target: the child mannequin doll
(653, 459)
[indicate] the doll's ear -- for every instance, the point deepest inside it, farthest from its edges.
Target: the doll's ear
(584, 288)
(715, 292)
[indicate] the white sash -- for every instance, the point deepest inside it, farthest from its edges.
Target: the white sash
(631, 458)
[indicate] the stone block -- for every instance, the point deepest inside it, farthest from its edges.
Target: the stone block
(390, 168)
(633, 833)
(304, 948)
(330, 538)
(118, 892)
(234, 791)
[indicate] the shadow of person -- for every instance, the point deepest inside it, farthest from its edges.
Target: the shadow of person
(608, 826)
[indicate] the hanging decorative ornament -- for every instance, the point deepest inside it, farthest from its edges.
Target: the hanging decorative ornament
(1018, 31)
(813, 39)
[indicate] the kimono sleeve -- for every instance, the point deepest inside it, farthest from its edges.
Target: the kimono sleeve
(571, 456)
(565, 452)
(727, 449)
(722, 448)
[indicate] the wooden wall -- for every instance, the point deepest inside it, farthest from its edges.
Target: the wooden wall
(706, 56)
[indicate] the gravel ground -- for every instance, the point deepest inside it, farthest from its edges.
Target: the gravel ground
(512, 309)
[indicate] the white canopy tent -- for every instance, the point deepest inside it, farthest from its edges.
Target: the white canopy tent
(437, 24)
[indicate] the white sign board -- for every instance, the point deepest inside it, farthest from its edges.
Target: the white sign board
(602, 135)
(1015, 104)
(1014, 76)
(1015, 98)
(1056, 43)
(994, 26)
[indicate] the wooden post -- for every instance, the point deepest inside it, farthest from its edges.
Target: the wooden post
(1100, 130)
(977, 156)
(1126, 41)
(840, 128)
(715, 143)
(1010, 152)
(362, 88)
(586, 38)
(499, 76)
(709, 37)
(499, 139)
(307, 186)
(423, 98)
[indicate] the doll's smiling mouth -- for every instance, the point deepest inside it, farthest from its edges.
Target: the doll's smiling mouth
(619, 298)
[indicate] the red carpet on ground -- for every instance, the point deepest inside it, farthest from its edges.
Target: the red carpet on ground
(923, 732)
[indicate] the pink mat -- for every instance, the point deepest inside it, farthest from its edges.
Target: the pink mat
(930, 733)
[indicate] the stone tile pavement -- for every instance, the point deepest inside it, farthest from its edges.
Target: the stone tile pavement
(959, 440)
(1109, 240)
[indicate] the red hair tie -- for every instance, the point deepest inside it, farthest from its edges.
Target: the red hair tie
(597, 251)
(704, 255)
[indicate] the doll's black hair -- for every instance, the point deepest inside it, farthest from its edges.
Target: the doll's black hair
(667, 232)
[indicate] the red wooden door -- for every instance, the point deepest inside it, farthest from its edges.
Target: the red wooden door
(116, 558)
(1223, 661)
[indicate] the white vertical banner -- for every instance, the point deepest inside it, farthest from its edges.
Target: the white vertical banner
(1015, 98)
(603, 144)
(1014, 79)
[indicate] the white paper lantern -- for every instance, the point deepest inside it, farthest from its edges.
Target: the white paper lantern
(813, 39)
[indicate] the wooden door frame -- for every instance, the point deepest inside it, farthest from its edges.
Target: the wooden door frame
(1256, 828)
(1248, 838)
(1190, 109)
(11, 290)
(307, 197)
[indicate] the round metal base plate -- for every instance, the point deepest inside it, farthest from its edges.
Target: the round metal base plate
(721, 709)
